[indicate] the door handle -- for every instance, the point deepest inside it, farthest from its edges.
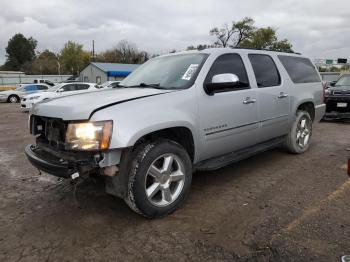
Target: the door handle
(282, 95)
(249, 100)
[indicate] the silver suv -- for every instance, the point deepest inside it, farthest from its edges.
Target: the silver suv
(175, 114)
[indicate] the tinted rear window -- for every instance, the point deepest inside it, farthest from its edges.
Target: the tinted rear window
(300, 69)
(265, 70)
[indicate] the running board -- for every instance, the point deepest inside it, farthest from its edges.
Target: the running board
(224, 160)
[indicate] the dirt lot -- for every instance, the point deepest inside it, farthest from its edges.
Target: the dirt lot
(272, 207)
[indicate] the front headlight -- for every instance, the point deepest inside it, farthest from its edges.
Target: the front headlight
(34, 97)
(89, 135)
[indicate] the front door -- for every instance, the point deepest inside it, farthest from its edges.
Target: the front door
(229, 119)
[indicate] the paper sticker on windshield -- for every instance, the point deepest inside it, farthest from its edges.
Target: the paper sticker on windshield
(190, 71)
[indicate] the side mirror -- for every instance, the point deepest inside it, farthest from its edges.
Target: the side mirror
(60, 90)
(332, 83)
(221, 82)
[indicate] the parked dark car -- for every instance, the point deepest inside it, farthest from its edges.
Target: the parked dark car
(337, 98)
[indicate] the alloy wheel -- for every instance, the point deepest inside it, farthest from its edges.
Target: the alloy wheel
(303, 132)
(165, 180)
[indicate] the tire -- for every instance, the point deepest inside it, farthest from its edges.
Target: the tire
(151, 169)
(298, 139)
(13, 99)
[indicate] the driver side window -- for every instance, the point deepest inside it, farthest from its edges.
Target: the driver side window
(232, 64)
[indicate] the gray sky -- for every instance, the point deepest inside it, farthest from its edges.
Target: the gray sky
(317, 28)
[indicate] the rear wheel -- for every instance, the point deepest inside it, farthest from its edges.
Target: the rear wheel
(13, 99)
(298, 139)
(159, 178)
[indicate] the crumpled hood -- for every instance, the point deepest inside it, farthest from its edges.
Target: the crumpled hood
(80, 106)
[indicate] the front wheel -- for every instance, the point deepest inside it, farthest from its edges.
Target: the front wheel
(13, 99)
(298, 139)
(159, 178)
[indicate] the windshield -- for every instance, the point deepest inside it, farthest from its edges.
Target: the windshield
(105, 84)
(343, 81)
(168, 72)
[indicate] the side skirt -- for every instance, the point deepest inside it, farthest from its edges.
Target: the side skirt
(227, 159)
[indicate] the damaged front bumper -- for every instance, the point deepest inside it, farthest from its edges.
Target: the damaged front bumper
(64, 164)
(56, 165)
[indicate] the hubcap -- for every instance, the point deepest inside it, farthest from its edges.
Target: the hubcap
(13, 99)
(303, 132)
(165, 180)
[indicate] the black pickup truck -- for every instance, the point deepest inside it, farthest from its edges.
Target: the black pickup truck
(337, 98)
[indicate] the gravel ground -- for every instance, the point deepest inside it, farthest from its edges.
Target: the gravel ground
(271, 207)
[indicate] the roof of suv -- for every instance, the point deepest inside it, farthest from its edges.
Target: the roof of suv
(235, 50)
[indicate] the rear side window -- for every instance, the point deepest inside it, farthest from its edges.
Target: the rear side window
(42, 87)
(30, 88)
(229, 63)
(300, 69)
(82, 86)
(69, 87)
(265, 70)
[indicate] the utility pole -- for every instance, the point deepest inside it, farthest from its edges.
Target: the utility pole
(93, 50)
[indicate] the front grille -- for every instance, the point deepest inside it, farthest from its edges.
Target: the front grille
(341, 93)
(332, 105)
(51, 131)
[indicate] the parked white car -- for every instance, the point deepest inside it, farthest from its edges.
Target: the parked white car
(110, 84)
(59, 90)
(14, 96)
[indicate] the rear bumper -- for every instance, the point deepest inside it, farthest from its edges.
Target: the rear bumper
(48, 164)
(3, 99)
(320, 110)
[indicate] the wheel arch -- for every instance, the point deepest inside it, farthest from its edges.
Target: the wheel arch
(308, 106)
(180, 134)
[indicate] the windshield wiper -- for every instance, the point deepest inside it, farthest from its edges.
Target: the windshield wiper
(156, 86)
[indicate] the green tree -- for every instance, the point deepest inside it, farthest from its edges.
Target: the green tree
(20, 51)
(73, 58)
(45, 63)
(244, 33)
(199, 47)
(265, 38)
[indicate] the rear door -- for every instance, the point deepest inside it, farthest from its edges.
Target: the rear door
(273, 96)
(226, 121)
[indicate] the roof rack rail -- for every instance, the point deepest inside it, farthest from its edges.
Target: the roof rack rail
(262, 49)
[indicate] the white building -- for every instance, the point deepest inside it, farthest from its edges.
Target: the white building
(102, 72)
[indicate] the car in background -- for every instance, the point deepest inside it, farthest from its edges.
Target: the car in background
(14, 96)
(43, 81)
(59, 90)
(337, 98)
(39, 81)
(110, 84)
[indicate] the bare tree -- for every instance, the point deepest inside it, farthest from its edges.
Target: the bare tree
(223, 34)
(232, 36)
(123, 52)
